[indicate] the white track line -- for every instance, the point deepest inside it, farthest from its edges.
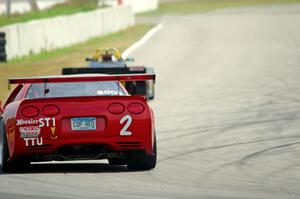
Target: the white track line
(142, 41)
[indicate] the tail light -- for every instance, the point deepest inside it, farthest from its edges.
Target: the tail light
(136, 108)
(50, 110)
(30, 111)
(116, 108)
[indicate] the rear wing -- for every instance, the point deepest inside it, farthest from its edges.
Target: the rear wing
(82, 78)
(106, 70)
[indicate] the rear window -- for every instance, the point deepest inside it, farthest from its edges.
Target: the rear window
(53, 90)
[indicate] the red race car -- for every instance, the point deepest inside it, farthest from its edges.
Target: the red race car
(79, 117)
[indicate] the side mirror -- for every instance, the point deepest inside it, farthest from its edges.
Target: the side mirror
(1, 109)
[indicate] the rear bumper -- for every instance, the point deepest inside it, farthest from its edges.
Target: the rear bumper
(103, 146)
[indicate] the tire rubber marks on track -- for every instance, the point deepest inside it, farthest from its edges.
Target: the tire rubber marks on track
(235, 144)
(253, 155)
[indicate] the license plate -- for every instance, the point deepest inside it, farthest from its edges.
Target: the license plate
(83, 123)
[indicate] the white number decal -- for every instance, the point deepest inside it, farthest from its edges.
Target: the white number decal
(128, 120)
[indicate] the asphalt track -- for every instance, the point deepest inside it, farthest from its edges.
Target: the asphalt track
(227, 116)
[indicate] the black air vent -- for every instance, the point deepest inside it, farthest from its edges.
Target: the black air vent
(129, 144)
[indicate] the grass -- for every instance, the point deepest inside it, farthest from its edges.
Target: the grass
(51, 63)
(194, 6)
(71, 7)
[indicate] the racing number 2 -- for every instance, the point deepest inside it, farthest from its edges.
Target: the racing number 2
(127, 119)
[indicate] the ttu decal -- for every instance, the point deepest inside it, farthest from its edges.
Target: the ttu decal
(33, 141)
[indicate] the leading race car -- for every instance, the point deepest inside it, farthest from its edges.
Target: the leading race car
(110, 61)
(77, 117)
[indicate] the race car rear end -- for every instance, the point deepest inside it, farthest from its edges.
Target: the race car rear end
(59, 127)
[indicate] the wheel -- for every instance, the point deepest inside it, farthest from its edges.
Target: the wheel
(9, 166)
(141, 88)
(150, 90)
(116, 161)
(139, 160)
(150, 86)
(3, 57)
(2, 41)
(4, 164)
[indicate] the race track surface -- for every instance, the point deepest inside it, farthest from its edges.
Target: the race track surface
(227, 116)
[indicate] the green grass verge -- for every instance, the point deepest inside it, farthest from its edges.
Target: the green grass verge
(194, 6)
(51, 63)
(71, 7)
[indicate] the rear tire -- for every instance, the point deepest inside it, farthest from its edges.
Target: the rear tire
(150, 90)
(3, 57)
(4, 164)
(9, 166)
(150, 85)
(139, 160)
(141, 88)
(2, 42)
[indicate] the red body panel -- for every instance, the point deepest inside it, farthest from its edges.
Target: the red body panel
(55, 130)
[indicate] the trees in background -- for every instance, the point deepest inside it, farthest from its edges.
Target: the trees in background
(33, 4)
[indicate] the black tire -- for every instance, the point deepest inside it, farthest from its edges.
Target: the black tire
(18, 165)
(139, 161)
(2, 42)
(3, 57)
(116, 161)
(141, 88)
(6, 166)
(150, 86)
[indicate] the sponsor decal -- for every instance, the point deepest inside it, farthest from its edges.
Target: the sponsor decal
(30, 122)
(31, 134)
(53, 136)
(47, 122)
(41, 122)
(136, 69)
(33, 141)
(107, 92)
(30, 131)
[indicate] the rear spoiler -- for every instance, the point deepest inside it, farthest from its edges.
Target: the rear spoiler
(82, 78)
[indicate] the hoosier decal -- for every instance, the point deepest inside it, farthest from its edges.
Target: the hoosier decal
(41, 122)
(30, 122)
